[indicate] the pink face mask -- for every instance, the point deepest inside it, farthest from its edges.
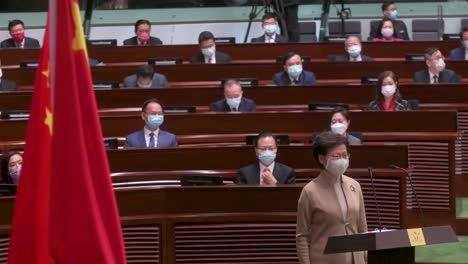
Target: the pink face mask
(144, 36)
(18, 36)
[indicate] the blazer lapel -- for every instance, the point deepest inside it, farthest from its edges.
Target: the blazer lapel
(427, 78)
(255, 173)
(443, 77)
(226, 107)
(277, 173)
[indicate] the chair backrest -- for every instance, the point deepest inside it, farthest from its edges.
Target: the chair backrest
(427, 29)
(464, 23)
(373, 24)
(307, 32)
(350, 28)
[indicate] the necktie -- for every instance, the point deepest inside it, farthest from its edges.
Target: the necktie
(265, 170)
(435, 79)
(234, 109)
(210, 60)
(295, 81)
(151, 141)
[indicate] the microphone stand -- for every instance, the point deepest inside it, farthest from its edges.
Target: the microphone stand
(371, 174)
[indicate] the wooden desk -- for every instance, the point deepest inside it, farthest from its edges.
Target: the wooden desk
(261, 71)
(177, 224)
(358, 96)
(241, 51)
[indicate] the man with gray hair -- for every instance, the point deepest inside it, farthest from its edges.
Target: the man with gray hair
(436, 71)
(233, 100)
(353, 47)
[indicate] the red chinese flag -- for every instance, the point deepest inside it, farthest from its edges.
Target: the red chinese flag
(65, 208)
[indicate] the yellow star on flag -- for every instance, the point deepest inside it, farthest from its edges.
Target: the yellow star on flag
(49, 120)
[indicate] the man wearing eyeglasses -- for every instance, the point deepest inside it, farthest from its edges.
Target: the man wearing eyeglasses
(436, 71)
(266, 171)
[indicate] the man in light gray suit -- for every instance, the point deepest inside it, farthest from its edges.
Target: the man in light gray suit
(145, 77)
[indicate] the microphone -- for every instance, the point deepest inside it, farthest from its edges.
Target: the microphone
(423, 219)
(371, 174)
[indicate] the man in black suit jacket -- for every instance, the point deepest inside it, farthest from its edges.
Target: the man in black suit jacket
(389, 11)
(142, 38)
(353, 47)
(6, 85)
(234, 101)
(270, 26)
(266, 171)
(435, 72)
(208, 54)
(293, 73)
(18, 40)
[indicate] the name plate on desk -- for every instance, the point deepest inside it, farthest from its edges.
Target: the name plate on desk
(415, 57)
(243, 81)
(102, 42)
(105, 85)
(29, 64)
(14, 114)
(165, 61)
(228, 40)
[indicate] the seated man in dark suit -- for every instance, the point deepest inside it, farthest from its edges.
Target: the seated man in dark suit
(461, 53)
(266, 171)
(293, 73)
(353, 47)
(143, 37)
(234, 101)
(145, 77)
(6, 85)
(436, 72)
(208, 54)
(18, 40)
(151, 136)
(389, 11)
(270, 27)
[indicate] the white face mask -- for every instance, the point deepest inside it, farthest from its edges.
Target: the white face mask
(354, 51)
(388, 90)
(339, 128)
(337, 167)
(439, 65)
(209, 52)
(234, 102)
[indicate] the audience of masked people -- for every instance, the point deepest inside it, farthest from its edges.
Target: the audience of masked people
(6, 85)
(270, 29)
(267, 171)
(11, 167)
(293, 73)
(386, 32)
(151, 136)
(353, 47)
(461, 53)
(233, 100)
(143, 35)
(387, 94)
(145, 77)
(18, 40)
(436, 71)
(389, 11)
(339, 124)
(332, 204)
(209, 54)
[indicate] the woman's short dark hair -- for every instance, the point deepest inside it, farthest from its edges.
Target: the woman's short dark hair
(326, 141)
(340, 110)
(4, 165)
(378, 89)
(379, 28)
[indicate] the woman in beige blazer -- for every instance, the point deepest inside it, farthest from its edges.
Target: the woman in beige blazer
(332, 204)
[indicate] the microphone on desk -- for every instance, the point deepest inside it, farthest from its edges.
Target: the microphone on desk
(371, 174)
(423, 219)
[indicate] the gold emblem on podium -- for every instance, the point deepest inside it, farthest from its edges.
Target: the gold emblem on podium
(416, 237)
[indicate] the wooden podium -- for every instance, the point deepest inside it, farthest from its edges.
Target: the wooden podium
(391, 246)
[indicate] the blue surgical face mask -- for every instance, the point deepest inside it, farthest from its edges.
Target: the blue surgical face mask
(267, 157)
(155, 121)
(294, 71)
(270, 29)
(354, 51)
(141, 85)
(234, 102)
(393, 14)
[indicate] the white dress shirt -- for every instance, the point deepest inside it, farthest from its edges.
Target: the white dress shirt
(147, 136)
(21, 44)
(262, 167)
(358, 58)
(431, 77)
(270, 39)
(466, 54)
(213, 59)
